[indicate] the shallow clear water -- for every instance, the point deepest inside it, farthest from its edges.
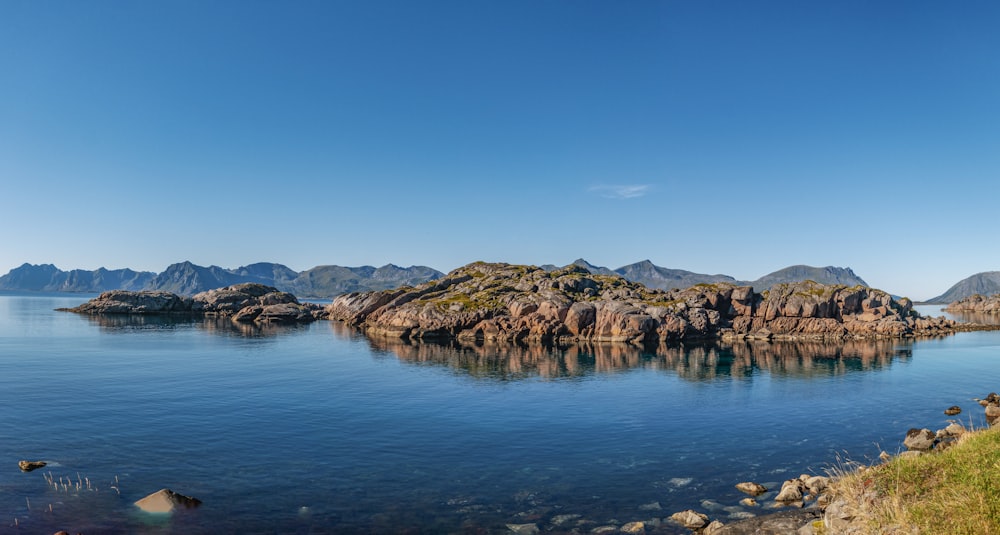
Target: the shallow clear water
(316, 429)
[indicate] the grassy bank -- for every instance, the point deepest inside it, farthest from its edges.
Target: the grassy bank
(956, 491)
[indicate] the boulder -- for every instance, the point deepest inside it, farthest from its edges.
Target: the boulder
(791, 491)
(992, 414)
(166, 501)
(817, 484)
(919, 439)
(953, 410)
(634, 527)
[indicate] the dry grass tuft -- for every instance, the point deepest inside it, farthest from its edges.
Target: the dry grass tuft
(955, 491)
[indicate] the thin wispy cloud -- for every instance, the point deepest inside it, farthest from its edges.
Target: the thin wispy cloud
(620, 191)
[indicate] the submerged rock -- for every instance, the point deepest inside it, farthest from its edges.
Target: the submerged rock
(523, 529)
(166, 501)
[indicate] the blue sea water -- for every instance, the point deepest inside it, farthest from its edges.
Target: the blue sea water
(317, 429)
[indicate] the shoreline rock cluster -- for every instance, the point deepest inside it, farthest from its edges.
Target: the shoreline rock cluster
(511, 303)
(976, 304)
(244, 303)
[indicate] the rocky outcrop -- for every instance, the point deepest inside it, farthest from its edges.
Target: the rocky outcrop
(976, 304)
(242, 302)
(510, 303)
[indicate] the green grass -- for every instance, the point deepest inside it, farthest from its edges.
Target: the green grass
(956, 491)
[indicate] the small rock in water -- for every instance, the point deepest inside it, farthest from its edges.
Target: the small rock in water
(690, 519)
(953, 410)
(165, 501)
(751, 488)
(749, 502)
(634, 527)
(27, 466)
(680, 481)
(604, 529)
(712, 505)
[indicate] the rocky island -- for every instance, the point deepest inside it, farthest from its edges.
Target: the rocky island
(515, 303)
(248, 302)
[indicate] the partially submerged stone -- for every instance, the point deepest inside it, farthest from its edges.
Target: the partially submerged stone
(953, 410)
(165, 501)
(690, 519)
(751, 488)
(27, 466)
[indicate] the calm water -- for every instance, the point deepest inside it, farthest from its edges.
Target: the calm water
(316, 429)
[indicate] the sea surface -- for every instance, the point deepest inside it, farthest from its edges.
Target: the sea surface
(317, 429)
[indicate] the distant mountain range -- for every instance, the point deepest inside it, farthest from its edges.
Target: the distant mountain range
(654, 276)
(186, 278)
(986, 283)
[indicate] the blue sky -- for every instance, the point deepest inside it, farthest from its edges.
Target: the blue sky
(718, 137)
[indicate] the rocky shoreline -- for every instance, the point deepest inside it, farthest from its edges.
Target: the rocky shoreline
(244, 303)
(484, 302)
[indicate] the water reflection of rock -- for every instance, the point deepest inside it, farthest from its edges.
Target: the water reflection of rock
(698, 362)
(976, 317)
(120, 323)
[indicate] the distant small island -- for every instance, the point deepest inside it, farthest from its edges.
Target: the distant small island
(244, 303)
(514, 303)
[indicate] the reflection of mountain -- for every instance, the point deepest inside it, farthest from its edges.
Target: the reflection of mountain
(123, 323)
(701, 362)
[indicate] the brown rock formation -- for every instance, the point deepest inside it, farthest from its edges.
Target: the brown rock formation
(510, 303)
